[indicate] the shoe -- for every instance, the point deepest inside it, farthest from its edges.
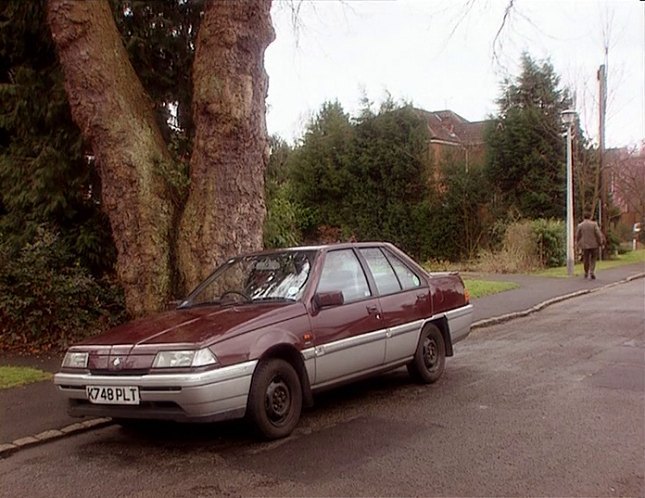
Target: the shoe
(585, 275)
(593, 277)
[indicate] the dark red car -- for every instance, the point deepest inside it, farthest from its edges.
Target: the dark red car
(266, 331)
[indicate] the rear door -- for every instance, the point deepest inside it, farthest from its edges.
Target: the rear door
(349, 338)
(404, 299)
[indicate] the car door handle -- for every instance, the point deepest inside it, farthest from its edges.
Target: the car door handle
(373, 310)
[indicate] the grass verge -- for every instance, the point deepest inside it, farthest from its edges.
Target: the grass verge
(481, 288)
(620, 260)
(18, 376)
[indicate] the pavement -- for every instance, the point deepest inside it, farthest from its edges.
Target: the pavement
(36, 413)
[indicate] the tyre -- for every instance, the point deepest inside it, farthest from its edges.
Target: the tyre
(430, 357)
(275, 399)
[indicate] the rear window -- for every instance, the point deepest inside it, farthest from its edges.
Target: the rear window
(386, 280)
(408, 278)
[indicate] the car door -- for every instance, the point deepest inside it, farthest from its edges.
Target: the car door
(404, 298)
(349, 338)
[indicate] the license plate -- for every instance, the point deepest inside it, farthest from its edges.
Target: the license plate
(113, 395)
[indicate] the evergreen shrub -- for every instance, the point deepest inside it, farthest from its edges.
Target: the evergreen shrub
(47, 301)
(281, 226)
(550, 237)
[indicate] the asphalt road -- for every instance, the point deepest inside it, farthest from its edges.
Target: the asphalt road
(549, 405)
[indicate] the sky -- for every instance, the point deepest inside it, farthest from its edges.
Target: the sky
(442, 54)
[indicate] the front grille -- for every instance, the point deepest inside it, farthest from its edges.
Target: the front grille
(120, 373)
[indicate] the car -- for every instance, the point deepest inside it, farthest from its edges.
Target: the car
(265, 332)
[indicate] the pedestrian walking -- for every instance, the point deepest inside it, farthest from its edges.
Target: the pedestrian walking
(589, 238)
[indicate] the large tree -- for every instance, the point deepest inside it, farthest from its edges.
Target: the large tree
(165, 237)
(526, 160)
(160, 38)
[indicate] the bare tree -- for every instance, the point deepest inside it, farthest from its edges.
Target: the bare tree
(627, 174)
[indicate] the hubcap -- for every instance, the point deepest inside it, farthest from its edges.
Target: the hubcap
(278, 400)
(430, 353)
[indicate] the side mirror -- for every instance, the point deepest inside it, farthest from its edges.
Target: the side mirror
(327, 299)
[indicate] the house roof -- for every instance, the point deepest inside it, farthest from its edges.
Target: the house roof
(448, 126)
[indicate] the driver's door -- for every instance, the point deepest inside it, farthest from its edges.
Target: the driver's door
(348, 338)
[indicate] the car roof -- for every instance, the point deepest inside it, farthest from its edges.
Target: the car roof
(321, 247)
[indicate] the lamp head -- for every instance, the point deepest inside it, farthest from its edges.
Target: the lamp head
(569, 116)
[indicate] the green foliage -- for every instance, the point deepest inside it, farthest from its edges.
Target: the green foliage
(366, 178)
(281, 228)
(551, 239)
(47, 300)
(463, 209)
(177, 178)
(613, 242)
(526, 151)
(45, 173)
(160, 38)
(319, 167)
(388, 178)
(284, 216)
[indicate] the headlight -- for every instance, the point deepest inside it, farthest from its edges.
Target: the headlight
(75, 360)
(185, 359)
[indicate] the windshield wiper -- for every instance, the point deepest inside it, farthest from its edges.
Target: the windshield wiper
(274, 299)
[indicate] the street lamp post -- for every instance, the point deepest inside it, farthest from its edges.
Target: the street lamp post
(569, 117)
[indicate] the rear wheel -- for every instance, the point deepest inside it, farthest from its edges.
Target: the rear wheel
(430, 357)
(275, 399)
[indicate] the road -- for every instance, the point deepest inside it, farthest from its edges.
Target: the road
(549, 405)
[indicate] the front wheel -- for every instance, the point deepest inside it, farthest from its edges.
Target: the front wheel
(430, 357)
(275, 399)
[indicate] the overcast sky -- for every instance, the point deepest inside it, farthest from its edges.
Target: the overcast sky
(439, 54)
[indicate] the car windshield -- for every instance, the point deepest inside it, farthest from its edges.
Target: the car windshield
(265, 277)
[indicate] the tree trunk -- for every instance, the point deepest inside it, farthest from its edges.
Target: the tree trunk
(225, 210)
(113, 112)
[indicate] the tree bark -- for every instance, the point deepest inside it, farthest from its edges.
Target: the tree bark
(115, 115)
(225, 210)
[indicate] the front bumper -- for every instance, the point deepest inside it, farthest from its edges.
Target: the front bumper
(209, 396)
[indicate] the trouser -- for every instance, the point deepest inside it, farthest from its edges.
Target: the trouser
(589, 257)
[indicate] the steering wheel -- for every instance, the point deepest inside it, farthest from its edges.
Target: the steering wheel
(237, 293)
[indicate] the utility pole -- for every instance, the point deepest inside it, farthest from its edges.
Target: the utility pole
(603, 214)
(569, 119)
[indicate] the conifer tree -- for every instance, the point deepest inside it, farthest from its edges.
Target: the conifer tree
(526, 160)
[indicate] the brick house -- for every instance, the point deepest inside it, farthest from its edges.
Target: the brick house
(451, 134)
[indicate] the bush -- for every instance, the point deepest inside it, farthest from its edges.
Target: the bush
(551, 242)
(527, 246)
(48, 301)
(282, 224)
(613, 243)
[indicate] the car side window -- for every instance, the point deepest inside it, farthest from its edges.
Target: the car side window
(408, 279)
(384, 276)
(343, 272)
